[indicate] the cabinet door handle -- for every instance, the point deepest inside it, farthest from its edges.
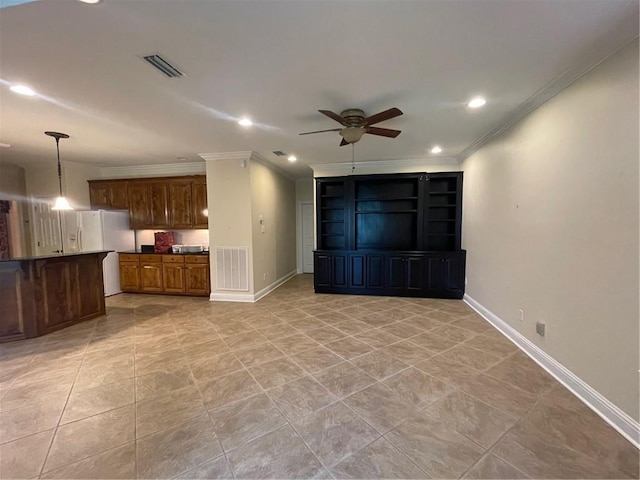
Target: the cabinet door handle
(147, 266)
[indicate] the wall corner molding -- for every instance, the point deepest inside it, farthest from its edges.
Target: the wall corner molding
(401, 162)
(256, 157)
(615, 417)
(270, 288)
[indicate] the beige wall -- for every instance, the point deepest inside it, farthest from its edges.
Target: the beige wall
(304, 194)
(13, 187)
(274, 240)
(229, 203)
(551, 227)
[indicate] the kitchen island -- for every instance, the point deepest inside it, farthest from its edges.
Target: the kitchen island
(39, 295)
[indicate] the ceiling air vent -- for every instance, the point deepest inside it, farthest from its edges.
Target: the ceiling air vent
(164, 66)
(279, 153)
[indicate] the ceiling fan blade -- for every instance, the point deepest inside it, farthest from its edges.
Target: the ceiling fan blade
(333, 116)
(343, 143)
(320, 131)
(382, 116)
(383, 132)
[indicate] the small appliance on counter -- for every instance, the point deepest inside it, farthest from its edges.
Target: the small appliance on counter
(147, 249)
(163, 242)
(187, 249)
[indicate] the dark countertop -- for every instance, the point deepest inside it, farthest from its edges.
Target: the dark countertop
(138, 252)
(52, 255)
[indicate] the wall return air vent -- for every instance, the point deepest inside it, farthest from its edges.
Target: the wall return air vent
(165, 67)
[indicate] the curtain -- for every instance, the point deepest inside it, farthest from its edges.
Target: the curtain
(4, 229)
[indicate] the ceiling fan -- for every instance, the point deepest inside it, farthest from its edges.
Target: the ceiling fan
(355, 124)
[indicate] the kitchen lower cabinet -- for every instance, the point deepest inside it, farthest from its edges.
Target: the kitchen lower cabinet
(406, 274)
(165, 274)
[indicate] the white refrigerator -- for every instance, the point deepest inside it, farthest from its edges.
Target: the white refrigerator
(102, 230)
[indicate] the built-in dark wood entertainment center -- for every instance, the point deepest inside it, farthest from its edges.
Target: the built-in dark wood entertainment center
(390, 235)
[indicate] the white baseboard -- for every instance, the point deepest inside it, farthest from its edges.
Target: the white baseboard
(270, 288)
(248, 297)
(615, 417)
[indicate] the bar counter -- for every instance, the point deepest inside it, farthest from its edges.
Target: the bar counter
(39, 295)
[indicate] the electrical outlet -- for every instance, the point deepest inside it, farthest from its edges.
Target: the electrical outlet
(540, 328)
(264, 276)
(465, 280)
(521, 312)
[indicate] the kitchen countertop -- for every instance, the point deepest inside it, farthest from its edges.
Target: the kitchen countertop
(52, 255)
(138, 252)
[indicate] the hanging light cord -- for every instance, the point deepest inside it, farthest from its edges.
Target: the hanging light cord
(59, 168)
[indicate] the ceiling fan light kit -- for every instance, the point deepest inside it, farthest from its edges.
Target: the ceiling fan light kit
(356, 124)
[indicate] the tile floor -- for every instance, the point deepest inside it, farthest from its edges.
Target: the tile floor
(296, 386)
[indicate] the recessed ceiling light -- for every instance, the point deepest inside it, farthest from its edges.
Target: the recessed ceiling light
(22, 90)
(91, 1)
(476, 102)
(245, 122)
(292, 158)
(4, 145)
(436, 149)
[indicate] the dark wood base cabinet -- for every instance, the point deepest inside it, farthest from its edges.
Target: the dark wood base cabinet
(44, 294)
(404, 274)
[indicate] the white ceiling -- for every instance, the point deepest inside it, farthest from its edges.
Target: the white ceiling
(278, 62)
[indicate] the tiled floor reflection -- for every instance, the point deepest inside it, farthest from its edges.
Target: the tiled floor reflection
(296, 386)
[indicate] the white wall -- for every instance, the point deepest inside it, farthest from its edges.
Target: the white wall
(273, 200)
(304, 194)
(551, 227)
(229, 201)
(387, 166)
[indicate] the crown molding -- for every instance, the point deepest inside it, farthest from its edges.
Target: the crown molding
(163, 170)
(248, 155)
(226, 156)
(407, 162)
(599, 53)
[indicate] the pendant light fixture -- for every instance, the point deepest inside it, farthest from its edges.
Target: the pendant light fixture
(61, 202)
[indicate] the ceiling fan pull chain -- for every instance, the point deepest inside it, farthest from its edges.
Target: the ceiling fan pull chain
(353, 157)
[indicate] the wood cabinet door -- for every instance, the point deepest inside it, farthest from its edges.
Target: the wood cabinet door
(119, 195)
(99, 195)
(180, 204)
(173, 277)
(139, 205)
(129, 276)
(197, 279)
(151, 277)
(159, 204)
(200, 205)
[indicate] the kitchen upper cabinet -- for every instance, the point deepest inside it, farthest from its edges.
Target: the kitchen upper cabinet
(139, 205)
(199, 202)
(155, 203)
(181, 203)
(159, 205)
(109, 195)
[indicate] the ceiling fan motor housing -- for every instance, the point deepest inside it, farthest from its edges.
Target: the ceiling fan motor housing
(353, 117)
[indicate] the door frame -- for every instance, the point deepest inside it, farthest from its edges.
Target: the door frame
(300, 242)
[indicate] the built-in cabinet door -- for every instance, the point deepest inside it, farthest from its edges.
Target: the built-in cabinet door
(322, 270)
(180, 204)
(357, 271)
(197, 279)
(129, 276)
(395, 273)
(151, 277)
(200, 205)
(173, 277)
(375, 272)
(414, 273)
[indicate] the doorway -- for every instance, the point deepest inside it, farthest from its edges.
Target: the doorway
(307, 237)
(47, 230)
